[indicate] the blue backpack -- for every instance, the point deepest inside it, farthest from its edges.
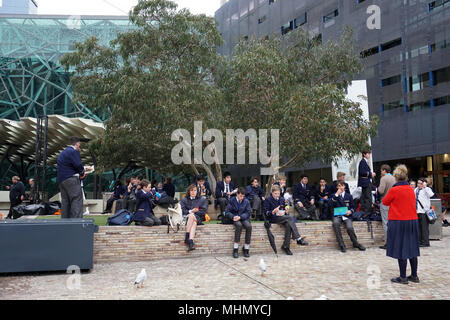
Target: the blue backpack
(121, 218)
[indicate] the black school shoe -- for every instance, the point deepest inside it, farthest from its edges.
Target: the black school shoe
(302, 242)
(400, 280)
(360, 247)
(191, 245)
(287, 251)
(235, 253)
(246, 253)
(414, 279)
(343, 249)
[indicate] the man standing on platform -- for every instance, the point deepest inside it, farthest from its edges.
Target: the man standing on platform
(365, 176)
(70, 171)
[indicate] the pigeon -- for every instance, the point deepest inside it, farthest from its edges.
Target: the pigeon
(141, 278)
(262, 267)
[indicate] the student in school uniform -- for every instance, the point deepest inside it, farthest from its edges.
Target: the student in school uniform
(343, 199)
(203, 188)
(340, 178)
(281, 182)
(365, 176)
(144, 207)
(224, 191)
(323, 197)
(169, 188)
(275, 211)
(255, 195)
(194, 209)
(304, 199)
(238, 210)
(119, 192)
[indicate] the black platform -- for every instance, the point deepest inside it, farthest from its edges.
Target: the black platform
(46, 245)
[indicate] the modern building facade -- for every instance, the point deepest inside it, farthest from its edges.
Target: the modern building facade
(18, 7)
(407, 67)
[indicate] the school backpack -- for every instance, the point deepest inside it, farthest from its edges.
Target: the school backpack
(120, 218)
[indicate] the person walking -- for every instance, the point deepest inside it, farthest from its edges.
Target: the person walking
(403, 227)
(70, 171)
(423, 204)
(16, 194)
(386, 183)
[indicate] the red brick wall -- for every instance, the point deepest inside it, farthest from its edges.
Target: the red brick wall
(112, 244)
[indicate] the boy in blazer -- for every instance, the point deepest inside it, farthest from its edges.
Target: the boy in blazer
(304, 199)
(144, 207)
(239, 212)
(224, 191)
(365, 176)
(255, 195)
(323, 197)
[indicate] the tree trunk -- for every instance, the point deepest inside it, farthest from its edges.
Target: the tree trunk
(194, 169)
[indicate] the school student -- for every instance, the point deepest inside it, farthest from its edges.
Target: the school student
(239, 212)
(194, 209)
(344, 200)
(304, 199)
(203, 188)
(365, 176)
(224, 191)
(281, 182)
(275, 210)
(423, 204)
(119, 192)
(323, 198)
(255, 195)
(144, 207)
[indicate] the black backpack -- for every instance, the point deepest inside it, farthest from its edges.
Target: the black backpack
(121, 218)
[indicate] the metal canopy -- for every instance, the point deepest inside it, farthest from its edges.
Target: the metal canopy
(18, 138)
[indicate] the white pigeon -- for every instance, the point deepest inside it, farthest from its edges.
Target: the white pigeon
(262, 267)
(141, 278)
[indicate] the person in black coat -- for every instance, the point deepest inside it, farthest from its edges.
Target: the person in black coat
(275, 211)
(255, 195)
(16, 194)
(194, 209)
(365, 176)
(304, 201)
(169, 188)
(224, 191)
(203, 188)
(323, 198)
(120, 191)
(343, 199)
(238, 210)
(144, 206)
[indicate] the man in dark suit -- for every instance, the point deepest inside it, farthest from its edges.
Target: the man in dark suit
(238, 210)
(255, 195)
(16, 194)
(303, 195)
(275, 211)
(323, 197)
(365, 176)
(343, 199)
(70, 171)
(224, 191)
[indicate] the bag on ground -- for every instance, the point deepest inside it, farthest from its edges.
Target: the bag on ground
(121, 218)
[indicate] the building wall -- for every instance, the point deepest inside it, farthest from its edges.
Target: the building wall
(18, 6)
(415, 115)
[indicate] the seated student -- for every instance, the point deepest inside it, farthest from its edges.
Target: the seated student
(238, 211)
(159, 187)
(203, 188)
(288, 198)
(169, 188)
(274, 209)
(132, 188)
(194, 209)
(343, 199)
(323, 196)
(119, 193)
(224, 191)
(304, 199)
(255, 195)
(144, 207)
(281, 182)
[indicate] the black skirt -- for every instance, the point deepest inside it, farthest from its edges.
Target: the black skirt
(403, 239)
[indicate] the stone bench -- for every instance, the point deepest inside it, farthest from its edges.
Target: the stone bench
(114, 244)
(4, 200)
(95, 206)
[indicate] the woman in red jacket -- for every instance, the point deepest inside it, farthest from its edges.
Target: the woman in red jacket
(403, 228)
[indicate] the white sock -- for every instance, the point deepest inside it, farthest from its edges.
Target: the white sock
(299, 239)
(236, 245)
(246, 246)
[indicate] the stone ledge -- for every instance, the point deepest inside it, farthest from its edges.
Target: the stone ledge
(114, 244)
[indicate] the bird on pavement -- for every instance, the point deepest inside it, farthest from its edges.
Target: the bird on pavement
(140, 279)
(262, 267)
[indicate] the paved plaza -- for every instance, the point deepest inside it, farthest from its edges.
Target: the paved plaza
(325, 274)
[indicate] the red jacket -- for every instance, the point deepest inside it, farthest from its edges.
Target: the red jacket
(402, 202)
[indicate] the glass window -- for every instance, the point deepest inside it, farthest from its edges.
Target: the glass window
(391, 80)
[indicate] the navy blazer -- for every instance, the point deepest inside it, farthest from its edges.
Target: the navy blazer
(251, 192)
(364, 174)
(120, 190)
(333, 187)
(169, 188)
(220, 187)
(144, 206)
(270, 204)
(304, 195)
(207, 190)
(69, 164)
(188, 204)
(346, 201)
(283, 189)
(242, 209)
(16, 191)
(326, 193)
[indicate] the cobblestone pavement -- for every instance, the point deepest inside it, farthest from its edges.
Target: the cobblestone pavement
(310, 275)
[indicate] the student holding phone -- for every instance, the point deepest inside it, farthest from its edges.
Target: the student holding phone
(343, 209)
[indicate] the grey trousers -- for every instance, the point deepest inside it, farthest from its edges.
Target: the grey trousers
(256, 205)
(349, 226)
(238, 230)
(384, 210)
(71, 198)
(290, 228)
(307, 212)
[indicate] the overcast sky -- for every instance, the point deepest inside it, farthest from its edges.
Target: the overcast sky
(115, 7)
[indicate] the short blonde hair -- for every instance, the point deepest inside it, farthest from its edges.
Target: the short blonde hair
(401, 173)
